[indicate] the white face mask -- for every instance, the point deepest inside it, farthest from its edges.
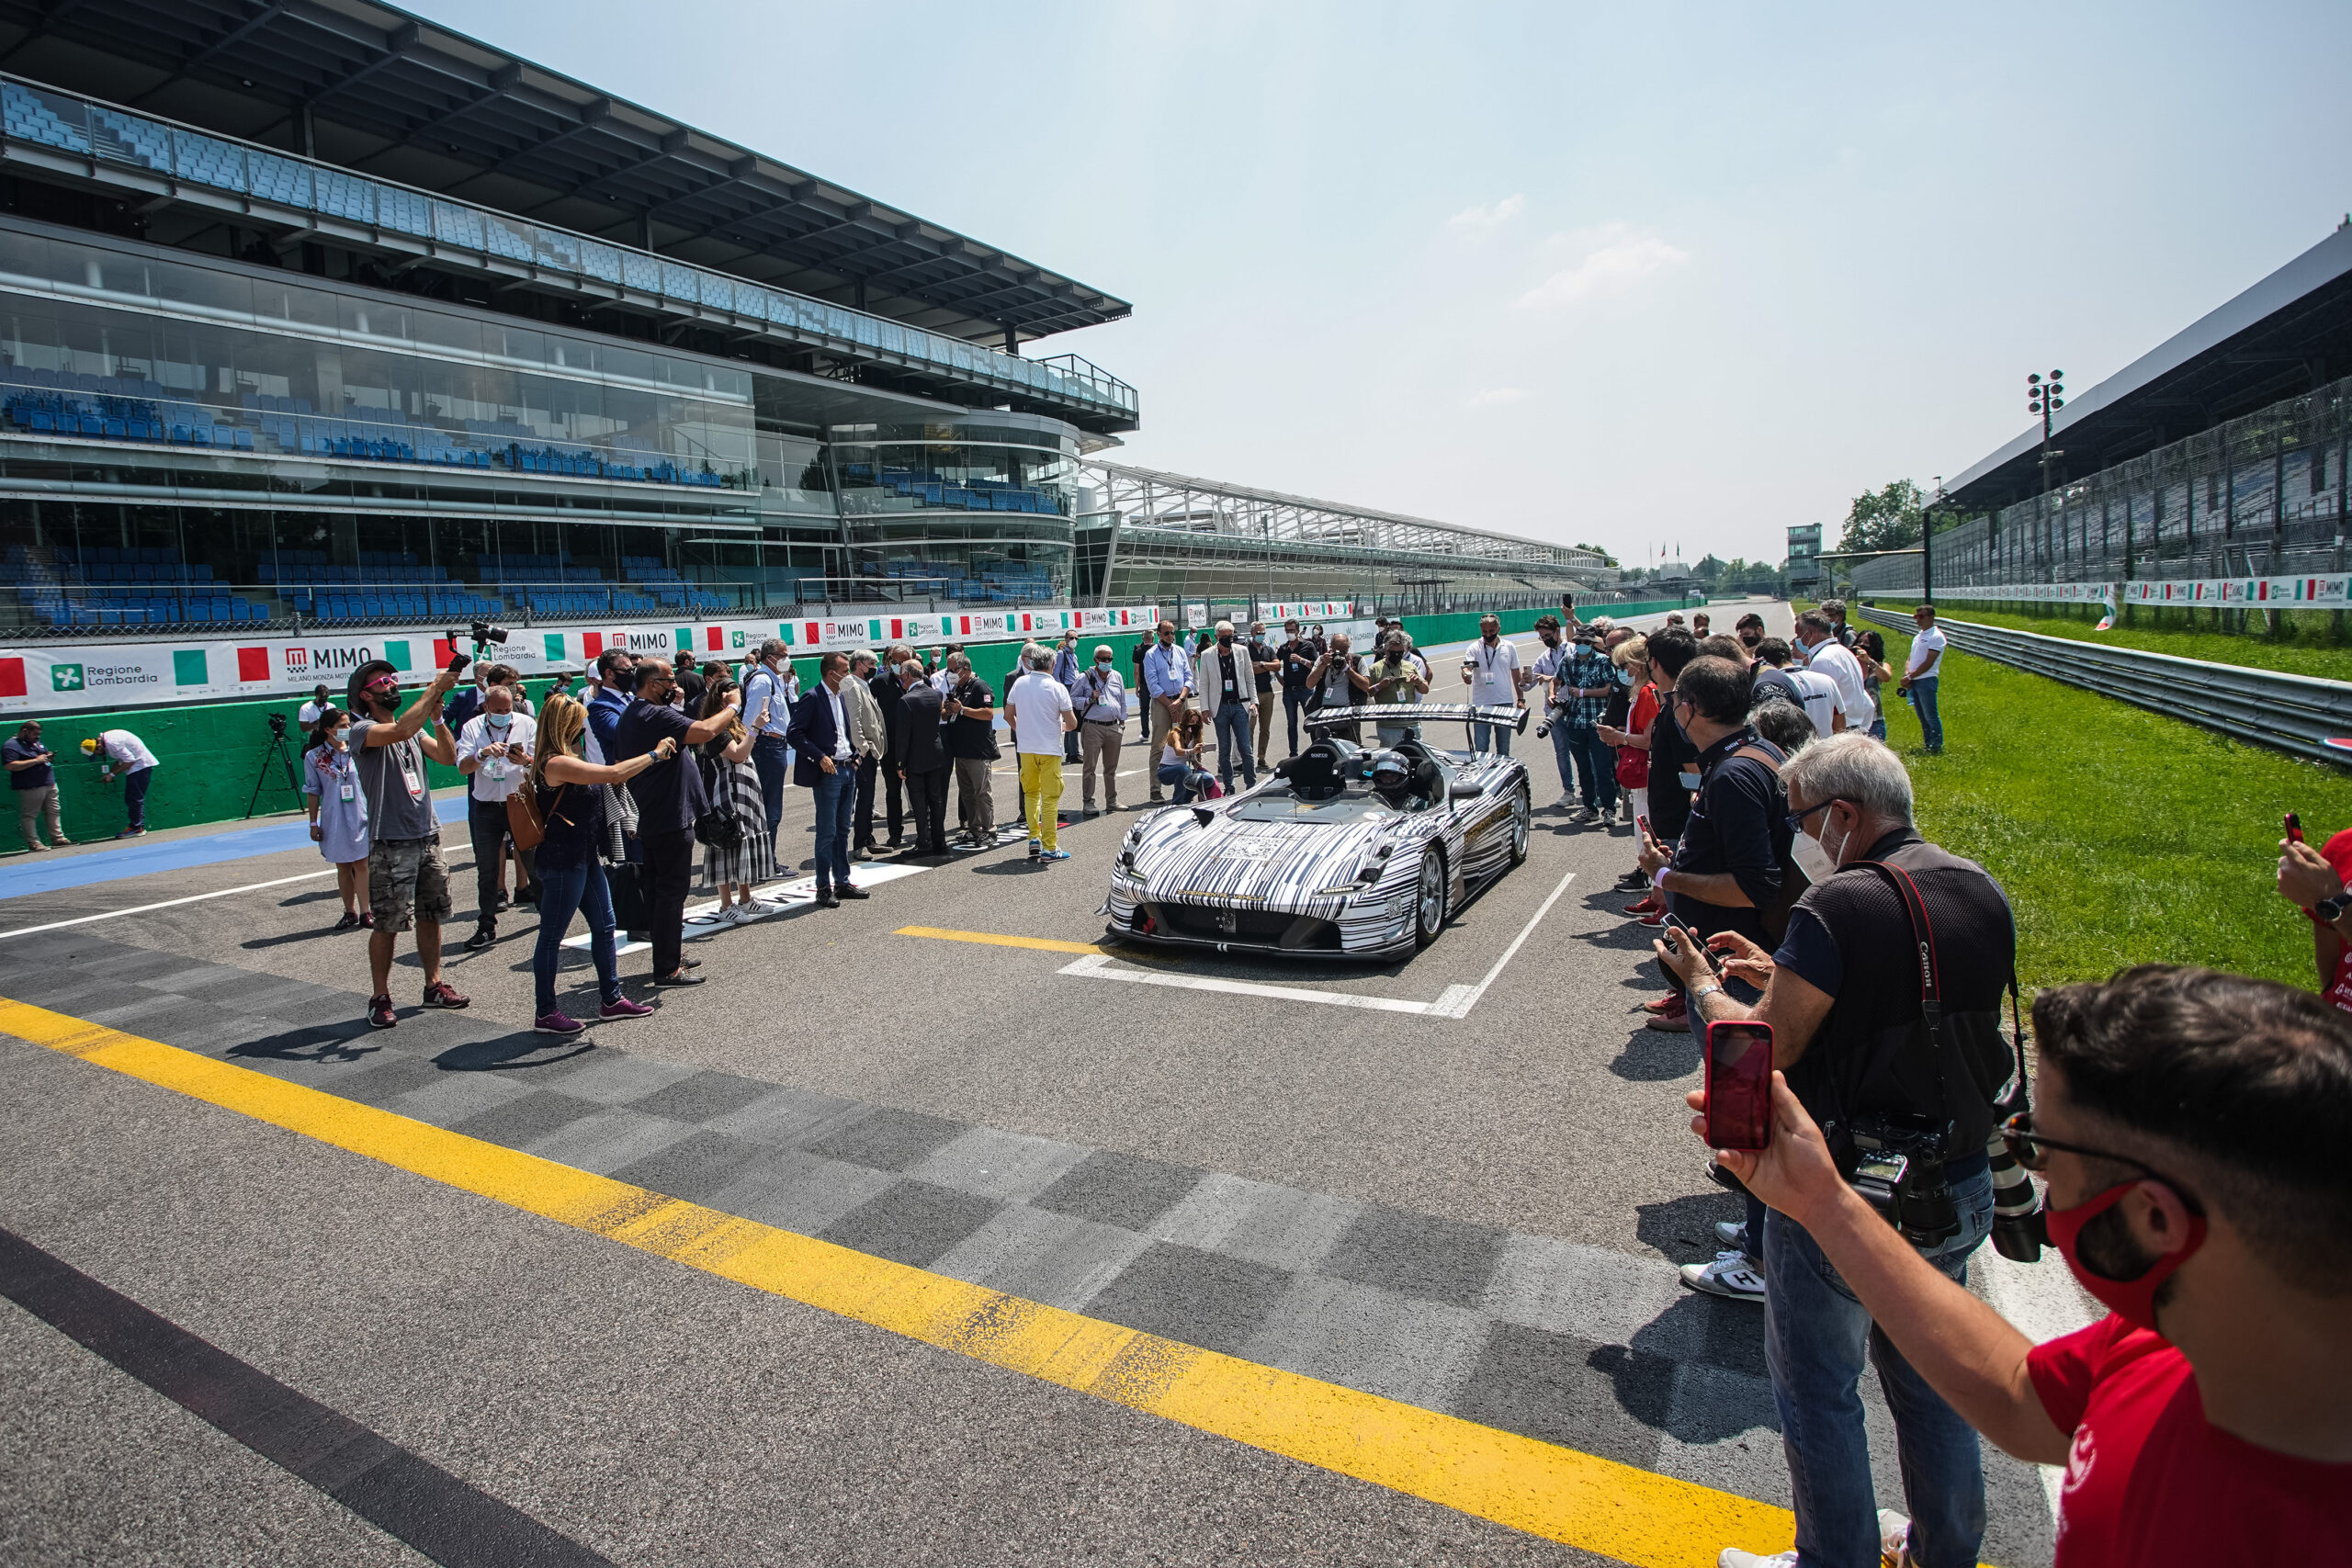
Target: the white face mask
(1816, 860)
(342, 738)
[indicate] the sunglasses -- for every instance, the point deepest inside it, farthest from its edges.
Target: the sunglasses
(2032, 1150)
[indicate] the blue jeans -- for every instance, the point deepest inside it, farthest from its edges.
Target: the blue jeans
(1593, 763)
(836, 796)
(1185, 777)
(1495, 738)
(1234, 744)
(1294, 700)
(1931, 724)
(134, 796)
(563, 890)
(1815, 1336)
(772, 759)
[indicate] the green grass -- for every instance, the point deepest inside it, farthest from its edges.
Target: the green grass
(2120, 836)
(2168, 631)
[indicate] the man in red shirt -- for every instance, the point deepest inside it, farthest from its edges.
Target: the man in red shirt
(2314, 881)
(2189, 1129)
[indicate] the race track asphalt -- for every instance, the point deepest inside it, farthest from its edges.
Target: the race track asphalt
(1475, 1219)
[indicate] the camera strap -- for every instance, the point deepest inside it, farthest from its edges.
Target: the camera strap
(1931, 997)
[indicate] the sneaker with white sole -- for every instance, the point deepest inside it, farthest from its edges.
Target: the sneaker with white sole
(1731, 1234)
(1732, 1275)
(1733, 1557)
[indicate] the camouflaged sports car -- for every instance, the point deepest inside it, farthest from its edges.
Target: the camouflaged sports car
(1345, 852)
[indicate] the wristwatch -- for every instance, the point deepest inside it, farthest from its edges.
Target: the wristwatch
(2332, 909)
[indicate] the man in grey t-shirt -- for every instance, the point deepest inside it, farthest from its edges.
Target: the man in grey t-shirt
(408, 885)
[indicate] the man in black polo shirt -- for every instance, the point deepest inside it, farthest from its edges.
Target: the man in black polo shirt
(669, 798)
(1724, 874)
(1294, 659)
(1842, 995)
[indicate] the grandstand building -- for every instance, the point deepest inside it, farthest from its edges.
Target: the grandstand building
(314, 314)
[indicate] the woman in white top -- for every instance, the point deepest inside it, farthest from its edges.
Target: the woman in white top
(1180, 759)
(338, 807)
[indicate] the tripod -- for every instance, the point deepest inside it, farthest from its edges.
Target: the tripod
(278, 753)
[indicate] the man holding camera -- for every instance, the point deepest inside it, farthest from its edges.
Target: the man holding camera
(408, 882)
(2189, 1127)
(1843, 995)
(1582, 678)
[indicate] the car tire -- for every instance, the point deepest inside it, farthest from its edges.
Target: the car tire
(1522, 818)
(1429, 891)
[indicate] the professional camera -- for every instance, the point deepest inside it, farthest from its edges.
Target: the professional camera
(1899, 1171)
(277, 726)
(2018, 1231)
(483, 635)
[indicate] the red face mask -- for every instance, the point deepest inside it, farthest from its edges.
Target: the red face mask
(2133, 1300)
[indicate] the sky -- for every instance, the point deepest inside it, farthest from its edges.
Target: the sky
(1668, 276)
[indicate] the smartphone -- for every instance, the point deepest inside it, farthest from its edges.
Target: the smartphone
(1739, 1084)
(2295, 825)
(1643, 822)
(1691, 939)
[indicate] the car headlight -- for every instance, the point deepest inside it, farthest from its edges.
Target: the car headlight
(1375, 861)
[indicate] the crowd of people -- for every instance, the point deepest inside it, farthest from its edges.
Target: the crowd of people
(2182, 1121)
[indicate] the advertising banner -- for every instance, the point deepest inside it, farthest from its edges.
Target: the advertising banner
(75, 676)
(2323, 591)
(1310, 610)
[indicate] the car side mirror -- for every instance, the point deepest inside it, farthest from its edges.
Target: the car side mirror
(1463, 789)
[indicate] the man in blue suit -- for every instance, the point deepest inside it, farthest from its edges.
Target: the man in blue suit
(824, 762)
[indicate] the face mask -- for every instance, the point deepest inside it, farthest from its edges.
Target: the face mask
(1103, 664)
(1819, 862)
(499, 720)
(1690, 778)
(342, 738)
(2133, 1300)
(1225, 642)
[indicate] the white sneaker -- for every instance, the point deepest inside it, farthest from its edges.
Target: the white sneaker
(739, 915)
(1731, 1275)
(1733, 1557)
(1894, 1540)
(1731, 1234)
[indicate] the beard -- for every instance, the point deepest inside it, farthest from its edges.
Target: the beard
(2107, 1248)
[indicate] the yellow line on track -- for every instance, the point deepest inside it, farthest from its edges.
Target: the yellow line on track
(1594, 1503)
(989, 939)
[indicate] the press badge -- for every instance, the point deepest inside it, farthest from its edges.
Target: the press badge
(408, 777)
(347, 791)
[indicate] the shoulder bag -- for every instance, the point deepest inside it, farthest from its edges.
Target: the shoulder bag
(718, 826)
(524, 823)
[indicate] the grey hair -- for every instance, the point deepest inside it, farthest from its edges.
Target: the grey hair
(1851, 766)
(1225, 628)
(1035, 655)
(1602, 623)
(960, 662)
(911, 669)
(866, 653)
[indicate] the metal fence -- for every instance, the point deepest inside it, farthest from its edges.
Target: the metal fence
(2260, 496)
(2297, 714)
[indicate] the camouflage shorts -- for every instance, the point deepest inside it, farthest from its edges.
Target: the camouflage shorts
(407, 881)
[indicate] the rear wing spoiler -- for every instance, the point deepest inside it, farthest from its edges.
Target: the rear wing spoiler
(1509, 716)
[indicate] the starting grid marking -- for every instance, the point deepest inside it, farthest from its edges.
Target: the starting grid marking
(766, 906)
(1098, 963)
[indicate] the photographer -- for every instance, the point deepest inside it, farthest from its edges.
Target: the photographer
(2313, 881)
(1843, 997)
(2190, 1126)
(408, 883)
(1725, 873)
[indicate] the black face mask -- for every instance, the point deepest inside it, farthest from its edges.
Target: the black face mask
(1225, 642)
(622, 681)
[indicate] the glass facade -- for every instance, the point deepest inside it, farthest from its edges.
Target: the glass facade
(975, 510)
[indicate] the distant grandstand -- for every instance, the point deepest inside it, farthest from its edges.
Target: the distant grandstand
(328, 317)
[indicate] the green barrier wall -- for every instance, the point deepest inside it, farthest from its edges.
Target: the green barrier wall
(208, 755)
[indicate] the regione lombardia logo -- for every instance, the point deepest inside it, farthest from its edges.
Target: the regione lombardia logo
(64, 677)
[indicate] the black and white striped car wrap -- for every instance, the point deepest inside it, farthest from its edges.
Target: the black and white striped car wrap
(1201, 875)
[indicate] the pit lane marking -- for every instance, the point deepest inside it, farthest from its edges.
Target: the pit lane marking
(1455, 1001)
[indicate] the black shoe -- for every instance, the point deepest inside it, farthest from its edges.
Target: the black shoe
(850, 890)
(483, 936)
(689, 963)
(825, 900)
(641, 936)
(500, 907)
(680, 978)
(350, 921)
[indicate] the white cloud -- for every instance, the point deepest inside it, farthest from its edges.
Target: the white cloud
(1487, 220)
(1615, 256)
(1494, 397)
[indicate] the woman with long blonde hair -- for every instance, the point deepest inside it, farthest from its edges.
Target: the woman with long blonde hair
(572, 873)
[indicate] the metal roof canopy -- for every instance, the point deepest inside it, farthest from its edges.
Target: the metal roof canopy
(1281, 518)
(376, 89)
(2286, 334)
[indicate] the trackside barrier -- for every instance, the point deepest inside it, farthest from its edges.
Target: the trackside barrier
(2296, 713)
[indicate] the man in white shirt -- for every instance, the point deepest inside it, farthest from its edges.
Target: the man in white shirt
(495, 753)
(1920, 673)
(120, 752)
(770, 693)
(1167, 677)
(1827, 656)
(307, 715)
(1491, 666)
(1038, 709)
(1811, 689)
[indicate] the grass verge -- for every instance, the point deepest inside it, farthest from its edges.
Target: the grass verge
(2120, 836)
(2310, 654)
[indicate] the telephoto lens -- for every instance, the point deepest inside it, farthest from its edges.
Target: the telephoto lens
(2018, 1232)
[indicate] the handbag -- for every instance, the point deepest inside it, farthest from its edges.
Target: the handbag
(1633, 767)
(523, 824)
(718, 825)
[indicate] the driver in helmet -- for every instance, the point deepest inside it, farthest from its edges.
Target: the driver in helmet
(1392, 775)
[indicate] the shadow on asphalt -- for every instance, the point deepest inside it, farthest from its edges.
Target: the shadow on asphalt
(508, 1053)
(1656, 1055)
(317, 1044)
(1683, 1229)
